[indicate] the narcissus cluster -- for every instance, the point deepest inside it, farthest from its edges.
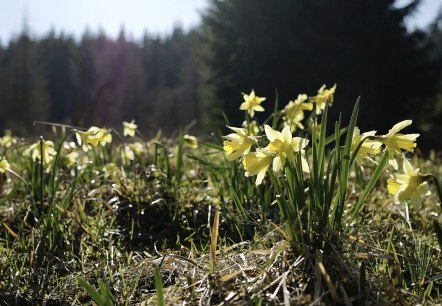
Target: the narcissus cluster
(273, 150)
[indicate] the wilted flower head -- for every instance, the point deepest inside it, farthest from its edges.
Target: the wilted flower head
(129, 128)
(294, 112)
(368, 148)
(252, 103)
(408, 186)
(324, 96)
(4, 165)
(257, 163)
(191, 141)
(238, 143)
(284, 146)
(395, 142)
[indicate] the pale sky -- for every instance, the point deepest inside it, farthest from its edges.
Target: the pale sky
(73, 16)
(155, 16)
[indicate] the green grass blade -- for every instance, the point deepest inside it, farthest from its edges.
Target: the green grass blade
(159, 286)
(93, 293)
(105, 293)
(345, 169)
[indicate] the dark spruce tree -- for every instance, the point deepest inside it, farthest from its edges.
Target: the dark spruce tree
(431, 118)
(56, 53)
(23, 93)
(295, 46)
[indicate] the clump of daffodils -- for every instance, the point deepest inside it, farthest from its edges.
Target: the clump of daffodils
(281, 146)
(273, 150)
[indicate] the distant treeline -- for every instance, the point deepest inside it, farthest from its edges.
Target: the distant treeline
(100, 81)
(288, 47)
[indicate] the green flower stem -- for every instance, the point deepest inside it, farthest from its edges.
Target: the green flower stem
(41, 171)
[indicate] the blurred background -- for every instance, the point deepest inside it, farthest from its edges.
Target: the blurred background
(175, 63)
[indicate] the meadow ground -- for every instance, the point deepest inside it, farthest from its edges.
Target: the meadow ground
(261, 217)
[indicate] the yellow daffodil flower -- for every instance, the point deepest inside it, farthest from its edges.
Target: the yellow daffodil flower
(294, 112)
(191, 141)
(4, 165)
(408, 186)
(284, 146)
(89, 137)
(395, 142)
(93, 136)
(257, 163)
(104, 137)
(324, 96)
(368, 147)
(129, 128)
(35, 152)
(8, 140)
(252, 103)
(238, 143)
(82, 139)
(71, 158)
(70, 153)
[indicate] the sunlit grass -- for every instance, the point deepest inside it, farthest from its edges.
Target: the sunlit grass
(277, 212)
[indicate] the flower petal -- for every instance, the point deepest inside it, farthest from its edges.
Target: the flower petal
(393, 162)
(408, 168)
(399, 126)
(392, 186)
(272, 135)
(278, 163)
